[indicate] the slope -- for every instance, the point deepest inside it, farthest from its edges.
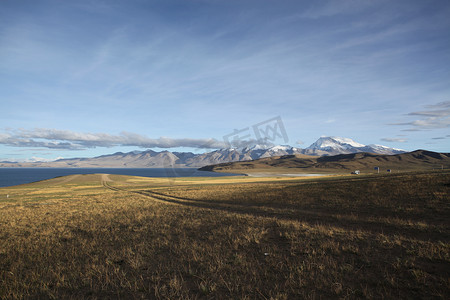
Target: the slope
(342, 163)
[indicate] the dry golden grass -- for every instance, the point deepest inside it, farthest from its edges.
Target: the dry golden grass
(96, 236)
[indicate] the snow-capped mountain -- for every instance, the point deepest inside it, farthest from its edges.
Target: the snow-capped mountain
(240, 154)
(334, 142)
(165, 159)
(380, 149)
(333, 145)
(280, 150)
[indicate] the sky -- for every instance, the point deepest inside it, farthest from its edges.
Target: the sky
(87, 78)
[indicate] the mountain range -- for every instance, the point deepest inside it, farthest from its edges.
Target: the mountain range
(324, 146)
(419, 160)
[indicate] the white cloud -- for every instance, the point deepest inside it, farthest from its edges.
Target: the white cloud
(69, 140)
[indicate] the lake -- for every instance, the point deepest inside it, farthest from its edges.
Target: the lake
(16, 176)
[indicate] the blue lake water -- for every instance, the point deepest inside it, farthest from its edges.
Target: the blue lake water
(16, 176)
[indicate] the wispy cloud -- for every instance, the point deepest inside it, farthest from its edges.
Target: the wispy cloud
(394, 140)
(441, 109)
(333, 8)
(435, 116)
(69, 140)
(409, 129)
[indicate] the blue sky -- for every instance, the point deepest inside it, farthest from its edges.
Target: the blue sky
(86, 78)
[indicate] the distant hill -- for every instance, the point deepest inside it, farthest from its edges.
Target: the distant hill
(153, 159)
(365, 162)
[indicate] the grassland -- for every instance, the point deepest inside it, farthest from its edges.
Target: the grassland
(111, 236)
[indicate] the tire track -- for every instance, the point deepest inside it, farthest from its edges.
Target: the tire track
(313, 218)
(249, 210)
(186, 201)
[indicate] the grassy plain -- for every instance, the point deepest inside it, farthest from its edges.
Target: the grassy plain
(111, 236)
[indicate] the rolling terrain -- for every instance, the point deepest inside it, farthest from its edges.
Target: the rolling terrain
(110, 236)
(343, 163)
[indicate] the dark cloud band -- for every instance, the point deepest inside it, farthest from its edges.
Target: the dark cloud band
(69, 140)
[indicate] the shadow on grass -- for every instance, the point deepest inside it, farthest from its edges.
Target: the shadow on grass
(373, 219)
